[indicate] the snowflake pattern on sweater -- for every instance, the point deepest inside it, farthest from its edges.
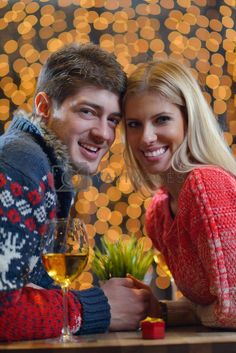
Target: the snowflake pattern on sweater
(199, 244)
(23, 211)
(30, 195)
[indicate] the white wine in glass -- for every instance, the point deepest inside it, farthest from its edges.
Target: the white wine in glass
(65, 254)
(64, 268)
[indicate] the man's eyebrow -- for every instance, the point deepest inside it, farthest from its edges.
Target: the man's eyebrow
(79, 102)
(118, 114)
(95, 106)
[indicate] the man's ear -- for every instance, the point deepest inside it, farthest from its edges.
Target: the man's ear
(43, 106)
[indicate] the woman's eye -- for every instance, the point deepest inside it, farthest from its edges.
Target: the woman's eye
(132, 124)
(162, 119)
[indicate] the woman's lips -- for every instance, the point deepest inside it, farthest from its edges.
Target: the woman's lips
(155, 152)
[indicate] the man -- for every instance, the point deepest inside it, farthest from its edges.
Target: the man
(75, 114)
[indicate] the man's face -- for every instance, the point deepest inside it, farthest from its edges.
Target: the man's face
(86, 124)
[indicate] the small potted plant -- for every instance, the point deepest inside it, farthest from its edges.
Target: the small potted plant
(122, 257)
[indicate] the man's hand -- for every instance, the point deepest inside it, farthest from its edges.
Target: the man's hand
(129, 304)
(154, 309)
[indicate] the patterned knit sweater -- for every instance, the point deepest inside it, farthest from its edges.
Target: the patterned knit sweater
(199, 246)
(33, 169)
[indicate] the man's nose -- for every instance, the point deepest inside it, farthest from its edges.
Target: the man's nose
(102, 132)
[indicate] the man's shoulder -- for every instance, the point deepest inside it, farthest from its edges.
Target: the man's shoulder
(18, 147)
(21, 155)
(15, 137)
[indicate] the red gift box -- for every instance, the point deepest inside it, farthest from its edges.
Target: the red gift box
(153, 328)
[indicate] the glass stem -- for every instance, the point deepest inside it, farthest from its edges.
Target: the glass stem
(66, 334)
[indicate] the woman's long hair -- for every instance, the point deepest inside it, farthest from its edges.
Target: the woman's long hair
(203, 144)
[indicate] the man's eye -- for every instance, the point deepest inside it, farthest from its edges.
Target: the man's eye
(114, 121)
(86, 111)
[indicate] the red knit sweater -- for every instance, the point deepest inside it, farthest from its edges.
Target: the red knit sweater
(199, 244)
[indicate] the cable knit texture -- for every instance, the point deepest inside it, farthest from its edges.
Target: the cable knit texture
(34, 187)
(199, 244)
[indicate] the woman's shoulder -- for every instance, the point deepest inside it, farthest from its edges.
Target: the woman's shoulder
(207, 184)
(211, 176)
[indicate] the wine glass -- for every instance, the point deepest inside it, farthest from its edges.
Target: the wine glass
(65, 253)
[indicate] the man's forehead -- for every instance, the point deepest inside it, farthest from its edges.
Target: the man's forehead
(95, 97)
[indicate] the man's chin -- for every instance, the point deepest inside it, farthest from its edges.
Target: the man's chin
(84, 168)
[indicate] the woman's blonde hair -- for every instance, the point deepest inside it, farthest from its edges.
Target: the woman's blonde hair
(203, 143)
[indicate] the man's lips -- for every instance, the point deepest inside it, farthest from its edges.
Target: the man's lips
(89, 148)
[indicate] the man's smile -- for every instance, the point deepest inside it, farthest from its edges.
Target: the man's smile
(89, 148)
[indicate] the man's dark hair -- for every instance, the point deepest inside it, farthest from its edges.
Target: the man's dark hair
(78, 65)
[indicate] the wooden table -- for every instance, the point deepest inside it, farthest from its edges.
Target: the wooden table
(177, 340)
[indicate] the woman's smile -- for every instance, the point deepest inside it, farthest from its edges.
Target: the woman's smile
(155, 129)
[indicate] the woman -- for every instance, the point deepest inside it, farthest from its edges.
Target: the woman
(175, 149)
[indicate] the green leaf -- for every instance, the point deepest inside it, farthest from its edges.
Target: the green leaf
(118, 259)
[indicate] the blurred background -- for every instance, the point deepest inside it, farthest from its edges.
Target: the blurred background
(199, 33)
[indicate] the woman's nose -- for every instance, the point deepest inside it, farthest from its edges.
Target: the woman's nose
(149, 134)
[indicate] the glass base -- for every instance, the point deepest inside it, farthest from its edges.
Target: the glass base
(64, 339)
(68, 338)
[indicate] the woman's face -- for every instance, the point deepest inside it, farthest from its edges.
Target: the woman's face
(155, 129)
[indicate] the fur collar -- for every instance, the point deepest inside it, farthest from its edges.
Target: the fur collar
(50, 138)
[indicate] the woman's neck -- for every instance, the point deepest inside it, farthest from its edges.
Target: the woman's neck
(173, 182)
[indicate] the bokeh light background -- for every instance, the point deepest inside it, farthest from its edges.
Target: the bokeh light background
(199, 33)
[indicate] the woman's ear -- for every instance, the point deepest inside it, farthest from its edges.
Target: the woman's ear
(43, 106)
